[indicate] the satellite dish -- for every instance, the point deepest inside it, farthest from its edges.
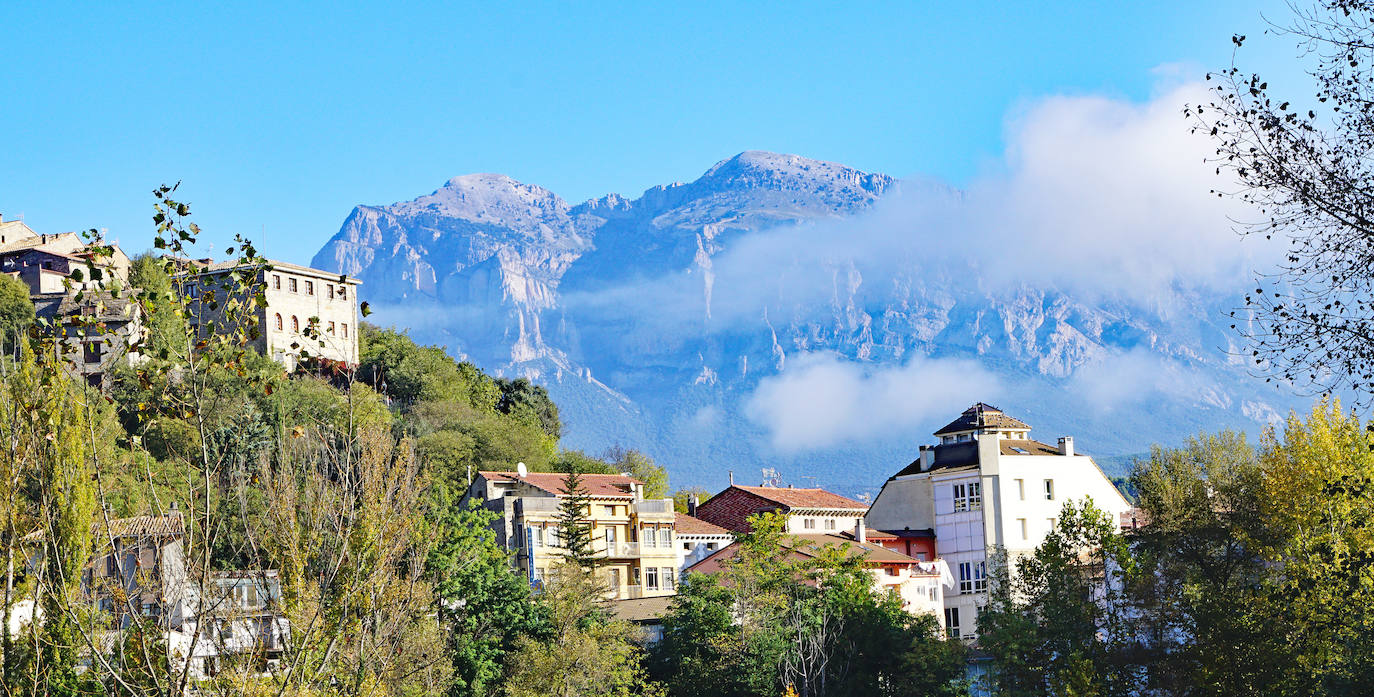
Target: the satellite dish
(521, 470)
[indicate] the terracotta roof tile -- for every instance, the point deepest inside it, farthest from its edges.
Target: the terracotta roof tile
(687, 525)
(803, 498)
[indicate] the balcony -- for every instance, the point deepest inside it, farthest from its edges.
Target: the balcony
(655, 509)
(526, 505)
(618, 550)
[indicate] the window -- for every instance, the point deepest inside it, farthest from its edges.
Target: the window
(968, 497)
(278, 321)
(91, 352)
(651, 578)
(973, 578)
(667, 578)
(309, 287)
(292, 281)
(608, 510)
(614, 580)
(295, 324)
(1022, 521)
(1021, 489)
(952, 622)
(343, 292)
(331, 290)
(665, 537)
(649, 539)
(276, 282)
(809, 523)
(610, 538)
(890, 570)
(1050, 523)
(331, 327)
(1049, 489)
(963, 437)
(345, 330)
(931, 590)
(829, 524)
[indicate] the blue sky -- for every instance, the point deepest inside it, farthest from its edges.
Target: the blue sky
(278, 120)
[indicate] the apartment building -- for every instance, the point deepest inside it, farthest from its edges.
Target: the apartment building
(239, 625)
(306, 312)
(987, 485)
(635, 536)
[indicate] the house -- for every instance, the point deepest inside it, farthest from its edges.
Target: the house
(633, 535)
(645, 613)
(698, 539)
(986, 485)
(920, 585)
(808, 511)
(239, 625)
(305, 311)
(97, 331)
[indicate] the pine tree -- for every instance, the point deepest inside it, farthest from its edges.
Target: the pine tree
(575, 529)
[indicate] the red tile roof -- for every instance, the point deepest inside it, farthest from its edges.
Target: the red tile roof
(803, 498)
(597, 485)
(687, 525)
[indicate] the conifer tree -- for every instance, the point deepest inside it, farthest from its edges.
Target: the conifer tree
(575, 529)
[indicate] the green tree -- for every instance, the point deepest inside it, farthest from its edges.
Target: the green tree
(165, 325)
(522, 398)
(574, 526)
(485, 606)
(641, 467)
(16, 312)
(587, 654)
(1062, 623)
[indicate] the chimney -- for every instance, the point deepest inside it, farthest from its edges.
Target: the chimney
(1066, 446)
(692, 505)
(732, 477)
(860, 531)
(927, 458)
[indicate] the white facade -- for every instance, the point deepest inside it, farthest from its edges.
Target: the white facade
(992, 489)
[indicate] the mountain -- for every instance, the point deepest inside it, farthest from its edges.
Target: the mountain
(699, 320)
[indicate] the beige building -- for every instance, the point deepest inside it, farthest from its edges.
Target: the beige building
(634, 535)
(307, 312)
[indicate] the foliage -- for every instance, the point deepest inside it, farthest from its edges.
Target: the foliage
(682, 498)
(1061, 623)
(788, 615)
(16, 312)
(588, 654)
(485, 605)
(1302, 166)
(526, 400)
(574, 525)
(408, 373)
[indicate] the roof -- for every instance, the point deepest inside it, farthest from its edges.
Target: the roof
(803, 498)
(642, 610)
(94, 305)
(979, 416)
(908, 533)
(1027, 447)
(597, 485)
(38, 240)
(207, 267)
(170, 525)
(809, 546)
(947, 456)
(689, 525)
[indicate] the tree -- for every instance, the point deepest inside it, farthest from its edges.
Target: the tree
(522, 398)
(16, 312)
(588, 654)
(1198, 589)
(1061, 623)
(485, 606)
(1303, 168)
(574, 526)
(641, 467)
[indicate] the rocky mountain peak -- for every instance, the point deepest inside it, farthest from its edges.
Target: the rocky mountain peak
(492, 199)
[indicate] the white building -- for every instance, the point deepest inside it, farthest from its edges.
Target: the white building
(986, 486)
(698, 539)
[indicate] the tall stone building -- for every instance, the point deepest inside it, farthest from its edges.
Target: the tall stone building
(307, 312)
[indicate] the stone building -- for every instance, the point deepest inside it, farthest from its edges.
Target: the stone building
(307, 312)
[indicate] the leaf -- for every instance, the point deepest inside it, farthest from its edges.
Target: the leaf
(365, 309)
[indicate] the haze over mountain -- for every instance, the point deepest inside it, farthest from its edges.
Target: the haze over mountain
(802, 315)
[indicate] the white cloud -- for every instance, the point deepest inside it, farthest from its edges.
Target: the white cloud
(822, 400)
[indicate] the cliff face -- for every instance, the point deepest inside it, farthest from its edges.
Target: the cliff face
(653, 320)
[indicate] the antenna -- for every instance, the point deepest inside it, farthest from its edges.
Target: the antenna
(521, 470)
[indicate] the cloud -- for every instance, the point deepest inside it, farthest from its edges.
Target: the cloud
(822, 400)
(1129, 379)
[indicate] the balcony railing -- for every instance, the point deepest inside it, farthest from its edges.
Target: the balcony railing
(654, 506)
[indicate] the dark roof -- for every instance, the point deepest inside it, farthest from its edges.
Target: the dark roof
(979, 416)
(597, 485)
(688, 525)
(807, 546)
(803, 498)
(161, 526)
(908, 533)
(947, 456)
